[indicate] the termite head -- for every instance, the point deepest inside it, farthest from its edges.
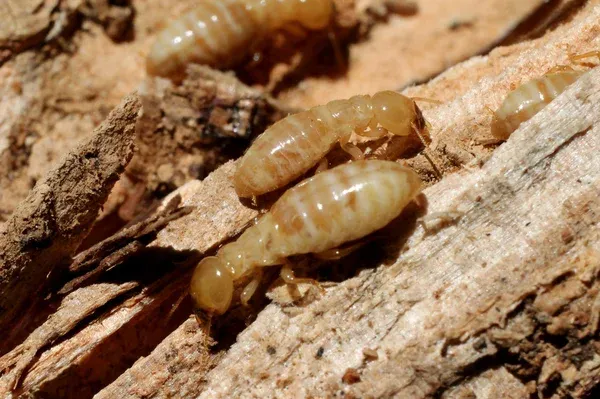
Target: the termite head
(211, 287)
(396, 113)
(500, 129)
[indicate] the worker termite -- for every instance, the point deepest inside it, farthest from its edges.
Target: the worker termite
(342, 204)
(220, 33)
(293, 145)
(528, 99)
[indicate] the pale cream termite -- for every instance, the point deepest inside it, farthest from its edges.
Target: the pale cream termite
(525, 101)
(293, 145)
(337, 206)
(221, 33)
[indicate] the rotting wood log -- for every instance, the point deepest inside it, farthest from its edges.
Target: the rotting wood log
(502, 286)
(133, 381)
(46, 229)
(188, 130)
(176, 354)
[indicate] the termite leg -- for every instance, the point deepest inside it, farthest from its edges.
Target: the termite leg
(250, 289)
(560, 68)
(575, 58)
(442, 218)
(323, 166)
(339, 58)
(288, 277)
(427, 100)
(374, 131)
(436, 171)
(350, 148)
(175, 306)
(340, 252)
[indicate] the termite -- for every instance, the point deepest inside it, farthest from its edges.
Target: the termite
(530, 98)
(293, 145)
(221, 33)
(334, 207)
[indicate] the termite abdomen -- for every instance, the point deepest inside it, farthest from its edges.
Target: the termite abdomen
(528, 99)
(289, 148)
(340, 205)
(221, 33)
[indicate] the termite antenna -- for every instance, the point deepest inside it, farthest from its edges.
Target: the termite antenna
(490, 111)
(417, 129)
(576, 58)
(427, 100)
(339, 57)
(436, 171)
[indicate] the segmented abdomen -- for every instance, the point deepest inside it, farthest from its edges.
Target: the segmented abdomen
(340, 205)
(284, 152)
(216, 33)
(528, 99)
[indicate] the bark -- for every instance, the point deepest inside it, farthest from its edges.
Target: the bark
(46, 229)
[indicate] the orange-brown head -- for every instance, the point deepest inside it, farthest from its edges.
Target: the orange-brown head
(211, 286)
(397, 113)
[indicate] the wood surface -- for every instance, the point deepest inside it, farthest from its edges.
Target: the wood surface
(487, 287)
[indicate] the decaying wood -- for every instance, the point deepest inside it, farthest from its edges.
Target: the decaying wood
(107, 343)
(490, 384)
(45, 230)
(523, 262)
(32, 22)
(92, 346)
(73, 309)
(546, 17)
(171, 364)
(138, 313)
(177, 235)
(187, 131)
(93, 262)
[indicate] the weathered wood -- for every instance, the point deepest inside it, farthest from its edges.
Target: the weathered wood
(483, 75)
(139, 312)
(46, 229)
(179, 364)
(468, 88)
(176, 366)
(73, 309)
(461, 297)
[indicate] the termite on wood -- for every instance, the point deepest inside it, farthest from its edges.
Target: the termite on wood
(293, 145)
(221, 33)
(325, 211)
(528, 99)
